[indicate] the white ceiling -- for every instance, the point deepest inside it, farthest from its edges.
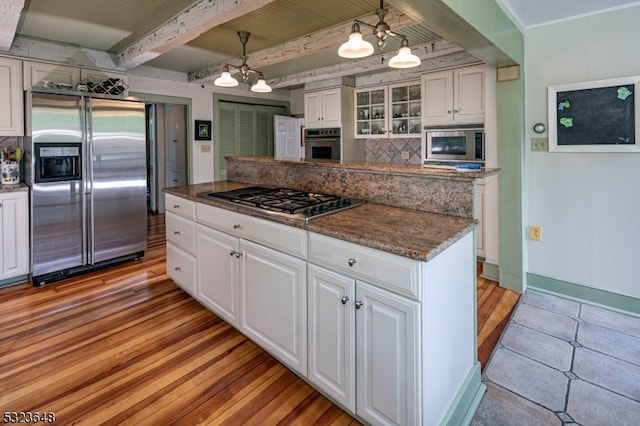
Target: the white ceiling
(532, 13)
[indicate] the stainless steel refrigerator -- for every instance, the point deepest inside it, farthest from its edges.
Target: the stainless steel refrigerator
(86, 165)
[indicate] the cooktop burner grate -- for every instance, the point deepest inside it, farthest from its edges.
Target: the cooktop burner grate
(293, 203)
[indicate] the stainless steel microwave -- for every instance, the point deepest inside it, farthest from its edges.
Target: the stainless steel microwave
(455, 143)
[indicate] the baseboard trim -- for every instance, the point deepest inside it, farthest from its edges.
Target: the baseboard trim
(467, 400)
(490, 271)
(580, 293)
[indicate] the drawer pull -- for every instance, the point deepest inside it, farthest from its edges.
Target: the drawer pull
(177, 269)
(176, 232)
(344, 299)
(236, 226)
(359, 304)
(176, 206)
(352, 261)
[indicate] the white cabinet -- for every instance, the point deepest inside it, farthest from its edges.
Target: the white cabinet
(252, 273)
(34, 73)
(11, 101)
(353, 320)
(389, 111)
(328, 108)
(274, 303)
(14, 234)
(180, 228)
(218, 273)
(456, 95)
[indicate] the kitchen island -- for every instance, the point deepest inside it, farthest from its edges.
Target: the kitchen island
(375, 306)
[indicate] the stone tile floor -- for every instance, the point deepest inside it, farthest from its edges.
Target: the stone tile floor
(561, 362)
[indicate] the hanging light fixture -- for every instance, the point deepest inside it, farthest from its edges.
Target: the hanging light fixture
(356, 47)
(404, 58)
(226, 80)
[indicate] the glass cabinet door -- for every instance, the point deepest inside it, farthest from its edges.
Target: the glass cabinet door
(371, 111)
(406, 109)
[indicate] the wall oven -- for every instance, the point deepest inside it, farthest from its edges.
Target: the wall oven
(322, 144)
(455, 143)
(56, 162)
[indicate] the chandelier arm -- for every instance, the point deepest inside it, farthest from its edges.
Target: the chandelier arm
(373, 27)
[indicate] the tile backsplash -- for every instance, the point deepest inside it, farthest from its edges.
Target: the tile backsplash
(390, 151)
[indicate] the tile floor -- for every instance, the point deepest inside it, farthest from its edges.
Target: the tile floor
(561, 362)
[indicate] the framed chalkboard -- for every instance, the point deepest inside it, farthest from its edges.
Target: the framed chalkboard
(595, 116)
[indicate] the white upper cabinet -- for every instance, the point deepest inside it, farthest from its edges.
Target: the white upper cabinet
(323, 108)
(456, 95)
(11, 103)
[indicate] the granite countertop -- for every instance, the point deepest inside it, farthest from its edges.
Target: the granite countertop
(16, 187)
(398, 169)
(409, 233)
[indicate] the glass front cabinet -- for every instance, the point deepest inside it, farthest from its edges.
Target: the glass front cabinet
(389, 111)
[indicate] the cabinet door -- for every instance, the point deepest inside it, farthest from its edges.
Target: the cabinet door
(371, 112)
(218, 267)
(312, 109)
(11, 110)
(469, 93)
(331, 334)
(331, 108)
(405, 106)
(273, 303)
(438, 96)
(14, 236)
(388, 348)
(36, 72)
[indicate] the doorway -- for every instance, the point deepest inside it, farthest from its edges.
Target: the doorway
(167, 151)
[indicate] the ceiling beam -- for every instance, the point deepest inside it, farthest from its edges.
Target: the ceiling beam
(9, 17)
(436, 55)
(304, 46)
(184, 27)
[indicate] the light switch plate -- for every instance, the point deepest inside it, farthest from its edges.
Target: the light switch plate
(539, 144)
(205, 148)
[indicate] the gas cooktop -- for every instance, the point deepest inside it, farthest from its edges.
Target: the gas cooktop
(290, 203)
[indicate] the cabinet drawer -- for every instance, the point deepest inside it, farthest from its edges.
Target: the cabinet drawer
(181, 268)
(396, 273)
(180, 206)
(181, 232)
(286, 239)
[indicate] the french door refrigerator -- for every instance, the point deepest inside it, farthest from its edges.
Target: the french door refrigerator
(87, 172)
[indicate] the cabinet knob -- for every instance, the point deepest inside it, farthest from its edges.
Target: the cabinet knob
(238, 254)
(449, 112)
(232, 252)
(359, 304)
(177, 269)
(344, 299)
(236, 226)
(352, 261)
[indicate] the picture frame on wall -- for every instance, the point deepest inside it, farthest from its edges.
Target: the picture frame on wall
(595, 116)
(202, 130)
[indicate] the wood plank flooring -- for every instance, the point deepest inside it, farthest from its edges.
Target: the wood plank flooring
(125, 346)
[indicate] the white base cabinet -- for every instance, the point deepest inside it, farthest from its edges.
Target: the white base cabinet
(14, 234)
(390, 339)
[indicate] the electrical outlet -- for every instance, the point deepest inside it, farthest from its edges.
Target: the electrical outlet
(539, 144)
(205, 148)
(405, 155)
(535, 233)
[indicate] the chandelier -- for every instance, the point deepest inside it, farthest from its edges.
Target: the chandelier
(226, 80)
(356, 47)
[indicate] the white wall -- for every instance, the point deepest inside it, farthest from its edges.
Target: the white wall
(588, 204)
(202, 109)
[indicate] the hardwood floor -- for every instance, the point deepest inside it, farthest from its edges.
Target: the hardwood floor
(125, 345)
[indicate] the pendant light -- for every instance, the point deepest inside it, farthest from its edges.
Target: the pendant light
(226, 80)
(404, 58)
(356, 47)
